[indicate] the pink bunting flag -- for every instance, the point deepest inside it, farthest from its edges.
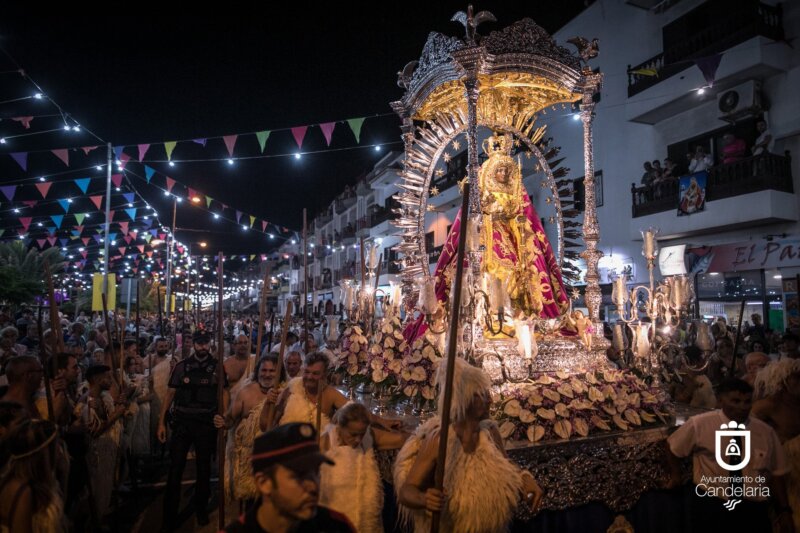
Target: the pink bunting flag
(263, 225)
(230, 142)
(52, 241)
(86, 242)
(41, 242)
(141, 248)
(124, 227)
(123, 159)
(85, 253)
(87, 149)
(44, 188)
(299, 134)
(96, 200)
(111, 214)
(30, 203)
(62, 154)
(25, 121)
(170, 184)
(128, 239)
(116, 179)
(25, 221)
(143, 150)
(121, 250)
(327, 131)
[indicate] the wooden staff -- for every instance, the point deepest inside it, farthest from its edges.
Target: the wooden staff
(305, 274)
(55, 323)
(287, 318)
(320, 386)
(138, 351)
(736, 342)
(271, 330)
(220, 402)
(42, 360)
(110, 343)
(452, 343)
(262, 309)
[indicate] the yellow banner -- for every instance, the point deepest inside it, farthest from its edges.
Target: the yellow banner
(187, 305)
(97, 292)
(172, 303)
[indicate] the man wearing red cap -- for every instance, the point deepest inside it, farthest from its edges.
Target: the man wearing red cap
(286, 465)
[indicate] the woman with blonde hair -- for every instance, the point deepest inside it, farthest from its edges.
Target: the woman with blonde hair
(30, 499)
(353, 485)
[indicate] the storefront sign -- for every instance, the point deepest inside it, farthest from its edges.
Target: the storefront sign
(751, 255)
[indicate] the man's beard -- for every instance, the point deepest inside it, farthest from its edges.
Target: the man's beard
(162, 353)
(202, 354)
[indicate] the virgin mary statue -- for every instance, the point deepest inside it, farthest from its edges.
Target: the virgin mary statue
(518, 259)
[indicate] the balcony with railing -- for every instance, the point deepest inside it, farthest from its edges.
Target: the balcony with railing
(434, 253)
(363, 226)
(709, 29)
(754, 190)
(348, 235)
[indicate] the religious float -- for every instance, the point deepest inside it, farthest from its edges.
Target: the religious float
(591, 434)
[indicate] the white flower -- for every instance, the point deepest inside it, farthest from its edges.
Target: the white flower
(526, 416)
(379, 375)
(415, 356)
(429, 352)
(512, 408)
(418, 373)
(427, 392)
(506, 429)
(396, 365)
(377, 364)
(410, 390)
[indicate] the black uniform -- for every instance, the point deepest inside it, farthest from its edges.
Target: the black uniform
(192, 422)
(325, 521)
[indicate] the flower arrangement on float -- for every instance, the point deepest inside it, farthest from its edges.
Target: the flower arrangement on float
(351, 355)
(418, 371)
(385, 359)
(576, 406)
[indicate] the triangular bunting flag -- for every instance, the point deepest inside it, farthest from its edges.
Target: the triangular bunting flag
(30, 203)
(238, 216)
(51, 240)
(327, 131)
(123, 159)
(87, 149)
(79, 217)
(96, 200)
(128, 239)
(41, 242)
(128, 197)
(25, 121)
(44, 188)
(141, 248)
(25, 221)
(131, 213)
(64, 205)
(252, 220)
(200, 141)
(22, 159)
(116, 179)
(9, 191)
(121, 250)
(230, 142)
(355, 125)
(63, 241)
(262, 137)
(112, 236)
(169, 147)
(83, 184)
(147, 239)
(170, 184)
(208, 201)
(85, 253)
(299, 133)
(149, 254)
(118, 152)
(62, 154)
(263, 225)
(124, 227)
(57, 220)
(143, 150)
(111, 214)
(86, 241)
(148, 173)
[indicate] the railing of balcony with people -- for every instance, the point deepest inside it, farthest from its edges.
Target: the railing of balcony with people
(731, 22)
(752, 174)
(348, 233)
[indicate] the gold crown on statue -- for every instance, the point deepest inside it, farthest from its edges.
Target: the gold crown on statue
(498, 144)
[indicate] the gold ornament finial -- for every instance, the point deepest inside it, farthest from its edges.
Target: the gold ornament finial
(498, 145)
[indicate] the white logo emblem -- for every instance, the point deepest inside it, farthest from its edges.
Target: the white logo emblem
(732, 446)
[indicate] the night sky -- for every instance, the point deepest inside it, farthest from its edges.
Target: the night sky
(141, 76)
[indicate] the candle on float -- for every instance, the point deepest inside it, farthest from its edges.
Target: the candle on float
(348, 296)
(619, 294)
(373, 256)
(649, 246)
(395, 295)
(524, 338)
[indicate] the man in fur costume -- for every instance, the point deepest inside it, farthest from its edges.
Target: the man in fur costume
(778, 387)
(243, 415)
(298, 401)
(482, 487)
(241, 363)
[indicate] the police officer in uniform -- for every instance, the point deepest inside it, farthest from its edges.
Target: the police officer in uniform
(191, 402)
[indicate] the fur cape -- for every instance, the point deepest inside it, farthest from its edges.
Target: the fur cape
(353, 485)
(483, 486)
(299, 408)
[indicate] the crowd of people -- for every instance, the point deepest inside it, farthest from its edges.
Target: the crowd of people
(82, 408)
(657, 179)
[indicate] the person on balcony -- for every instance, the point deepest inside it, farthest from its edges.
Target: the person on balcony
(763, 142)
(647, 181)
(700, 161)
(733, 149)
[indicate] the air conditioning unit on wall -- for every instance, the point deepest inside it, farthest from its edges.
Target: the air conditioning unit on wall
(740, 102)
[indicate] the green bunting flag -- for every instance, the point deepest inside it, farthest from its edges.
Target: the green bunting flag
(355, 125)
(262, 137)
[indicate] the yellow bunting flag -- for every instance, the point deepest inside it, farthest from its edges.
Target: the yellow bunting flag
(169, 147)
(97, 292)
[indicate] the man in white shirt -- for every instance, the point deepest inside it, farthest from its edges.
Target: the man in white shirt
(700, 161)
(757, 485)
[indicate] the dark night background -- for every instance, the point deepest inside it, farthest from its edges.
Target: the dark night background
(145, 76)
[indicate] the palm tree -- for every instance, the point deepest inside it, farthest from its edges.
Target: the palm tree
(22, 275)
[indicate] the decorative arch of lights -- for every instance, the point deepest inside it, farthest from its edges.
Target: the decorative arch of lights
(502, 81)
